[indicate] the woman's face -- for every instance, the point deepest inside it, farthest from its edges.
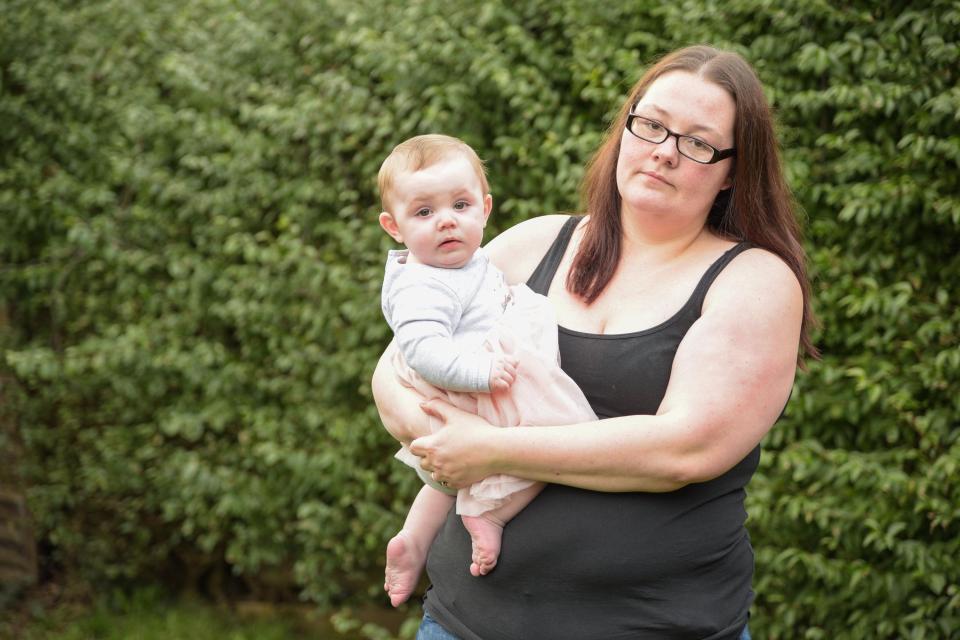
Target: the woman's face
(655, 179)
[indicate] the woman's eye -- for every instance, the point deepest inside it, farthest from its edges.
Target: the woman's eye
(654, 127)
(699, 145)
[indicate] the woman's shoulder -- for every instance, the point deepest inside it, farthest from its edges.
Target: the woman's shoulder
(756, 274)
(518, 250)
(756, 261)
(529, 233)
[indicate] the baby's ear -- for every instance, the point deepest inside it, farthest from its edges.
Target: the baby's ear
(487, 207)
(389, 225)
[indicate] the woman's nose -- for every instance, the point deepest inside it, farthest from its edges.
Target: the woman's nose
(667, 150)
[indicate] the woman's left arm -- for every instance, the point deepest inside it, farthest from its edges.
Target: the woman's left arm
(731, 378)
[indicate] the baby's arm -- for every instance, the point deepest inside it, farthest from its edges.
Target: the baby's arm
(424, 314)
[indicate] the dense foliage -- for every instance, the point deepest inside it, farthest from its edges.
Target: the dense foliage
(191, 267)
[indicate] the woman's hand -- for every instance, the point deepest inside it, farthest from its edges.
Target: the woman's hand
(458, 454)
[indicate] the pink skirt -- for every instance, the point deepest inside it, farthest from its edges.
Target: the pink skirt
(541, 395)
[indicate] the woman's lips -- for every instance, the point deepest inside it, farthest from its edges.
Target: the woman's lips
(656, 176)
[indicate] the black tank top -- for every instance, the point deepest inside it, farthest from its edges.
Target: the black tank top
(582, 565)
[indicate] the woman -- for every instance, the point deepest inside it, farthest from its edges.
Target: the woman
(683, 303)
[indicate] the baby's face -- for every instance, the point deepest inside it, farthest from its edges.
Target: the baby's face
(439, 213)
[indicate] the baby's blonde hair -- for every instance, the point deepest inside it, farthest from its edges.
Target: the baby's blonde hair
(421, 152)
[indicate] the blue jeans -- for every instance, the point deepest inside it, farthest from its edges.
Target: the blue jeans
(430, 629)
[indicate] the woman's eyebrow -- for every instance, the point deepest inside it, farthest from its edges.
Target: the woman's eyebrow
(697, 127)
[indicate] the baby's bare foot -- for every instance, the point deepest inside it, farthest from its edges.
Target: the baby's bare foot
(404, 564)
(485, 536)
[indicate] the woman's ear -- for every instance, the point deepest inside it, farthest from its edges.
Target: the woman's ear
(389, 224)
(728, 183)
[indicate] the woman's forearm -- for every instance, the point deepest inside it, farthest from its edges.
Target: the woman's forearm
(399, 406)
(634, 453)
(654, 453)
(618, 454)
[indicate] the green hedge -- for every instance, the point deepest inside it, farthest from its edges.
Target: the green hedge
(191, 268)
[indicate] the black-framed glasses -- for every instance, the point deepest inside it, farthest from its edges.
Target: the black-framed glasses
(693, 148)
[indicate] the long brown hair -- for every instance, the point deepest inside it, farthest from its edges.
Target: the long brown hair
(758, 208)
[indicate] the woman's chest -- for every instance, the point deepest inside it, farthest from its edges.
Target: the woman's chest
(626, 305)
(622, 375)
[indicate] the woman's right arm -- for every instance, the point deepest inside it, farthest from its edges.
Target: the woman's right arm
(399, 406)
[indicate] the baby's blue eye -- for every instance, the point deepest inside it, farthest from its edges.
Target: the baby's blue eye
(422, 212)
(461, 205)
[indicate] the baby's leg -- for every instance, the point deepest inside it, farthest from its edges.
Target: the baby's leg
(407, 551)
(486, 530)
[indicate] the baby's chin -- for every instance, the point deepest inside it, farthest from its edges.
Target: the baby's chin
(447, 265)
(440, 262)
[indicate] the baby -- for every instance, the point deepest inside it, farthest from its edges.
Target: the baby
(464, 335)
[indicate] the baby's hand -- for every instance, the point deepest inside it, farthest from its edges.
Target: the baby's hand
(503, 372)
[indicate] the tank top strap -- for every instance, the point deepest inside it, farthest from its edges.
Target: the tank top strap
(700, 293)
(542, 276)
